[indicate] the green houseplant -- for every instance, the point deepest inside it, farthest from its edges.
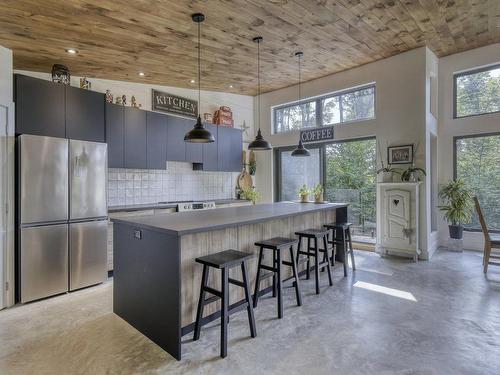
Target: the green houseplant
(304, 193)
(251, 194)
(457, 206)
(318, 193)
(411, 174)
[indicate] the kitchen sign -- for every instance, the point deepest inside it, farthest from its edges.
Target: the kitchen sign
(324, 133)
(169, 103)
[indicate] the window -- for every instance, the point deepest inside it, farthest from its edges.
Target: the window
(477, 162)
(295, 172)
(292, 118)
(477, 92)
(350, 177)
(347, 171)
(352, 105)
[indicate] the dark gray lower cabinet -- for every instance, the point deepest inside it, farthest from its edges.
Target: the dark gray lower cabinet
(40, 107)
(210, 151)
(135, 142)
(115, 135)
(156, 126)
(84, 114)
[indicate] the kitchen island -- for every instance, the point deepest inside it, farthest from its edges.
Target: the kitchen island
(156, 279)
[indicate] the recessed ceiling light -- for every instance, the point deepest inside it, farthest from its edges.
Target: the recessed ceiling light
(231, 86)
(192, 81)
(72, 51)
(141, 74)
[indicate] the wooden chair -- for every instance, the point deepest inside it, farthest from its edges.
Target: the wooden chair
(490, 241)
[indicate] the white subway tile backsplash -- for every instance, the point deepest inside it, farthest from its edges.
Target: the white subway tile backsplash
(178, 182)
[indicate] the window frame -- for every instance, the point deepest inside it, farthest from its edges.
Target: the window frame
(466, 73)
(458, 138)
(319, 110)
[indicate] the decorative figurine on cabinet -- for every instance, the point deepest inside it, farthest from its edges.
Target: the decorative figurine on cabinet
(109, 97)
(85, 83)
(61, 74)
(124, 99)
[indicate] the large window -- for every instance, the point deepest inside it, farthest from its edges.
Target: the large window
(350, 176)
(477, 162)
(347, 171)
(352, 105)
(477, 92)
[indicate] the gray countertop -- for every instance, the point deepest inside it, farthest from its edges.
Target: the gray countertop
(150, 206)
(205, 220)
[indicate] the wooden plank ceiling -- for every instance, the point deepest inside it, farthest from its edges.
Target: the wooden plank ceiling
(116, 39)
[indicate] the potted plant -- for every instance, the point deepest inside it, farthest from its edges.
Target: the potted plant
(251, 194)
(411, 174)
(304, 193)
(387, 171)
(457, 206)
(318, 193)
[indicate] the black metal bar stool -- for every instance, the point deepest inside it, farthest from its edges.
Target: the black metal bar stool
(314, 251)
(344, 230)
(224, 260)
(277, 245)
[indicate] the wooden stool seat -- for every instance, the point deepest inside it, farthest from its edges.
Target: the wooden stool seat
(228, 258)
(224, 260)
(314, 235)
(277, 245)
(342, 226)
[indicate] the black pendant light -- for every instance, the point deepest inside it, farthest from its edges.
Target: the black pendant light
(259, 143)
(300, 150)
(199, 134)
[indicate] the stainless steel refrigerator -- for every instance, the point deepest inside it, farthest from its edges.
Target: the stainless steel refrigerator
(62, 215)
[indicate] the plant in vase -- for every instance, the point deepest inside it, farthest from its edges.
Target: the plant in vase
(412, 174)
(457, 206)
(304, 194)
(318, 193)
(251, 194)
(387, 171)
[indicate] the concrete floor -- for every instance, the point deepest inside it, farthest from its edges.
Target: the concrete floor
(392, 317)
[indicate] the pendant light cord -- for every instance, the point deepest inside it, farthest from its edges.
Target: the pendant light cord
(199, 69)
(258, 75)
(300, 104)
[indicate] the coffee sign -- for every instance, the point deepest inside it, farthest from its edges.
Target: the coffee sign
(324, 133)
(169, 103)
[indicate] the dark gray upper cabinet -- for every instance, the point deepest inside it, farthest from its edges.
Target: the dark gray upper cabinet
(40, 107)
(84, 114)
(176, 147)
(156, 125)
(115, 135)
(230, 148)
(210, 151)
(194, 151)
(135, 141)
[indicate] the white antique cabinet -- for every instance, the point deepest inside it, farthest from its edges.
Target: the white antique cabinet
(398, 219)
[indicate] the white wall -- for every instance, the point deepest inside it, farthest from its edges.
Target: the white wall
(400, 112)
(449, 127)
(6, 179)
